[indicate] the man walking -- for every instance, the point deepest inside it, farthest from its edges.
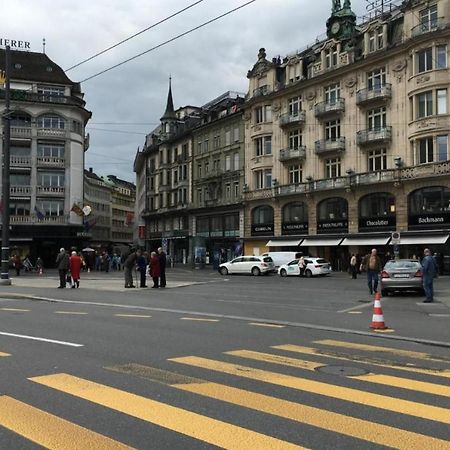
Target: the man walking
(62, 264)
(129, 264)
(353, 266)
(142, 268)
(162, 267)
(429, 272)
(372, 264)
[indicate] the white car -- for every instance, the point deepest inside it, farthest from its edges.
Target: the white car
(254, 265)
(314, 267)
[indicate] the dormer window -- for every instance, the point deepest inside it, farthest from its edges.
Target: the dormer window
(429, 18)
(331, 57)
(376, 39)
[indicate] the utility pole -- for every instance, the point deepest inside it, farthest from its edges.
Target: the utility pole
(4, 279)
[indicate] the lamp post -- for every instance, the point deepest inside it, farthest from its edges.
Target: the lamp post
(4, 278)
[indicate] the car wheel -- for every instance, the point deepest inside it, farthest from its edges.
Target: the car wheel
(283, 273)
(308, 274)
(384, 292)
(256, 272)
(223, 271)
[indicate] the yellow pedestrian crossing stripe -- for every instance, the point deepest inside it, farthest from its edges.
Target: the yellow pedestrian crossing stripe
(377, 349)
(182, 421)
(373, 362)
(338, 392)
(4, 354)
(48, 430)
(308, 415)
(403, 383)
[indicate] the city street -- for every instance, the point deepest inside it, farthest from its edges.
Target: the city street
(234, 362)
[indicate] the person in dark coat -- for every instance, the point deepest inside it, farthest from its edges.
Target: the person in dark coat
(429, 270)
(17, 264)
(155, 271)
(128, 264)
(62, 264)
(162, 267)
(142, 268)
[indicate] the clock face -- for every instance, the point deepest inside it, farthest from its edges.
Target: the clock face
(335, 27)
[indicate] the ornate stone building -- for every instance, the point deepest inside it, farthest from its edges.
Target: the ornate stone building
(347, 140)
(48, 122)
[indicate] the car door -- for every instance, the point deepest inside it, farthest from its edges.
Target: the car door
(292, 268)
(235, 265)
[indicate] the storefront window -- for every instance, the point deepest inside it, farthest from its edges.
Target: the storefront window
(295, 218)
(377, 212)
(429, 207)
(332, 215)
(262, 221)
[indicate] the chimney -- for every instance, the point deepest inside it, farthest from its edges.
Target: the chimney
(91, 170)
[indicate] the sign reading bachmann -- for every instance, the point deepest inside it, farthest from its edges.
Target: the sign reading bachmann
(294, 227)
(424, 221)
(331, 226)
(377, 223)
(263, 229)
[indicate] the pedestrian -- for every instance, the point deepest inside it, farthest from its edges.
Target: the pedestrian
(429, 271)
(301, 265)
(75, 263)
(155, 271)
(372, 264)
(129, 265)
(162, 267)
(39, 265)
(62, 264)
(141, 262)
(353, 266)
(17, 263)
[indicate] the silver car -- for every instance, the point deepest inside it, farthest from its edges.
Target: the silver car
(401, 275)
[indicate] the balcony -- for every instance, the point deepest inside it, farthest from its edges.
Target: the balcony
(51, 132)
(20, 190)
(49, 190)
(374, 136)
(49, 161)
(23, 132)
(32, 219)
(263, 90)
(290, 119)
(19, 95)
(375, 95)
(324, 109)
(20, 161)
(325, 146)
(428, 27)
(288, 154)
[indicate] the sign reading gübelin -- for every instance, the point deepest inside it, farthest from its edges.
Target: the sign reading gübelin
(15, 44)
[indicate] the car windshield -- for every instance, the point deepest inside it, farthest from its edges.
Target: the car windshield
(321, 261)
(401, 265)
(267, 259)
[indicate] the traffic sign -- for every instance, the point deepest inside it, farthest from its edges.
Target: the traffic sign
(395, 237)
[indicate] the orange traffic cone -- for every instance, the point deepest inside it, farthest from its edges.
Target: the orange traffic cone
(377, 318)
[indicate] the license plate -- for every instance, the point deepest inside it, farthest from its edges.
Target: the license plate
(401, 275)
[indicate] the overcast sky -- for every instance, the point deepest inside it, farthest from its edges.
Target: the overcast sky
(127, 102)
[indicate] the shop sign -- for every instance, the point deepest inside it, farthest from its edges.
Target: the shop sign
(429, 220)
(84, 234)
(294, 227)
(262, 229)
(376, 223)
(14, 44)
(330, 226)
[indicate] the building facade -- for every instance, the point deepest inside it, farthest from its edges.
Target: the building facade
(347, 141)
(48, 122)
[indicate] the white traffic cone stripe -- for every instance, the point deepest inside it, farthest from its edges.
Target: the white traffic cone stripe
(378, 318)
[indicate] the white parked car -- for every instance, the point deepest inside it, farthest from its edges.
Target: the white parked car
(254, 265)
(314, 267)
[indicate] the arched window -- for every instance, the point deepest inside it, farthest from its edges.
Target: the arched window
(51, 121)
(430, 200)
(295, 218)
(333, 208)
(20, 119)
(377, 212)
(262, 215)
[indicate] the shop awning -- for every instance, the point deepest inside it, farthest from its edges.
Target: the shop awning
(285, 243)
(424, 240)
(321, 242)
(376, 240)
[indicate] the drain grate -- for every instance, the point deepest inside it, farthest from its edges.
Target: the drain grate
(344, 371)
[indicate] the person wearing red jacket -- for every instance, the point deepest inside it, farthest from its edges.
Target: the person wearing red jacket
(155, 271)
(75, 269)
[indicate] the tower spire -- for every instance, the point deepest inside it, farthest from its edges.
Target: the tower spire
(170, 111)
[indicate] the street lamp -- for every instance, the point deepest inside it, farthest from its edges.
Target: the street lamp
(4, 278)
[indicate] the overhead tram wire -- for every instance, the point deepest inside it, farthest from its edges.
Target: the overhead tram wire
(134, 35)
(168, 41)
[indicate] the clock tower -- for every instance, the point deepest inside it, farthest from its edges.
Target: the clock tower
(342, 22)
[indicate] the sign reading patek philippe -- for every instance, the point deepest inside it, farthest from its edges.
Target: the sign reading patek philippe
(294, 227)
(332, 225)
(15, 44)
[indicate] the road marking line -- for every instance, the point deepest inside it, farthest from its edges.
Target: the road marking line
(15, 309)
(386, 330)
(191, 424)
(439, 315)
(132, 315)
(48, 430)
(356, 428)
(315, 351)
(4, 354)
(377, 349)
(268, 325)
(353, 308)
(357, 396)
(75, 313)
(354, 312)
(387, 380)
(197, 319)
(33, 338)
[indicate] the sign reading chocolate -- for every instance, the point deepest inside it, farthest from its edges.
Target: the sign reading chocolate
(387, 222)
(15, 44)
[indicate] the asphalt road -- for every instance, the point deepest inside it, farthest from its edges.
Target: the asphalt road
(236, 362)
